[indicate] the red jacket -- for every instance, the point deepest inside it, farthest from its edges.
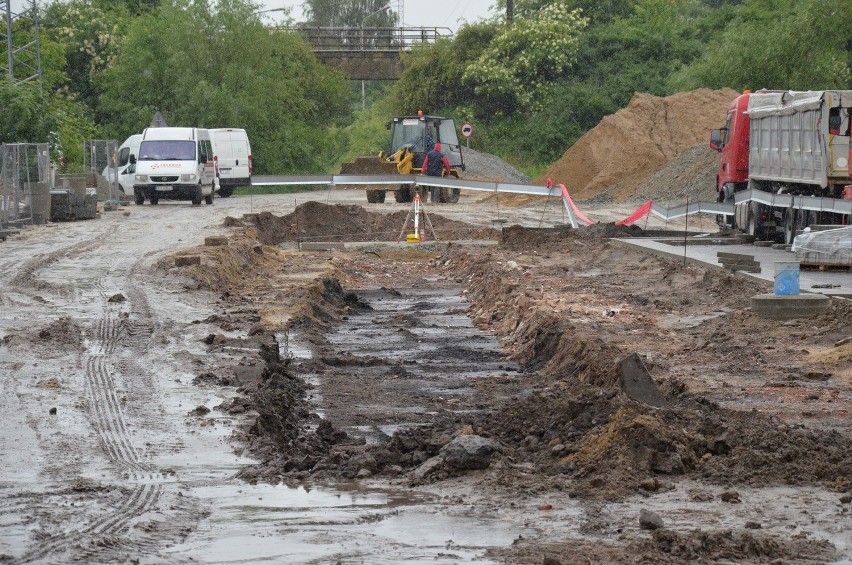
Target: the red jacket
(436, 171)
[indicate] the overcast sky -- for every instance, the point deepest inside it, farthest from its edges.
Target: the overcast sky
(431, 13)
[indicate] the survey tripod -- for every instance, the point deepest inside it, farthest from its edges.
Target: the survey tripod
(417, 209)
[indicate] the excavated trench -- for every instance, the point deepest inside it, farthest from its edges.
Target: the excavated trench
(407, 356)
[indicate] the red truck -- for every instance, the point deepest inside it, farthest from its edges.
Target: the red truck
(785, 161)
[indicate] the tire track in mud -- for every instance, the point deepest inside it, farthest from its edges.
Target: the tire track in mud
(106, 538)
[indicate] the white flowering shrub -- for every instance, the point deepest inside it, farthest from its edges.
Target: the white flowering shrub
(526, 56)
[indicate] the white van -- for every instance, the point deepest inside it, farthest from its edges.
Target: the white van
(174, 164)
(124, 172)
(232, 155)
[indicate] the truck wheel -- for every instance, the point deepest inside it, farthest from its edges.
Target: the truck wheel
(450, 195)
(138, 197)
(751, 225)
(403, 193)
(196, 197)
(208, 199)
(375, 196)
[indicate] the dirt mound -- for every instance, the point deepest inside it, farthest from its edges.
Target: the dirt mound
(619, 155)
(315, 221)
(63, 333)
(577, 421)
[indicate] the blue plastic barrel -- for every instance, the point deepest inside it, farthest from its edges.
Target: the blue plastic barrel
(786, 277)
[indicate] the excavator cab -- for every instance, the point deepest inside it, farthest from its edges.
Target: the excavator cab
(419, 134)
(412, 137)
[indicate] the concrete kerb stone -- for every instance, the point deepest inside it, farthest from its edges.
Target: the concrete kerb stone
(789, 307)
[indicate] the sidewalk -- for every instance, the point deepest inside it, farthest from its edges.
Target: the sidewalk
(706, 255)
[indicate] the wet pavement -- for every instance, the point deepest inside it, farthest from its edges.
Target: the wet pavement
(831, 282)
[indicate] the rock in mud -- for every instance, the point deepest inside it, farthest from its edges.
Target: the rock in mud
(117, 298)
(469, 452)
(730, 496)
(649, 520)
(432, 466)
(199, 411)
(361, 462)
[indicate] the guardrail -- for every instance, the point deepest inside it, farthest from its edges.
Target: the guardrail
(835, 205)
(368, 39)
(665, 212)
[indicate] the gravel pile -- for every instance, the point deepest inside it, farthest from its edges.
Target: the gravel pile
(487, 167)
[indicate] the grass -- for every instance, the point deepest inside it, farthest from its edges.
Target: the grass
(284, 189)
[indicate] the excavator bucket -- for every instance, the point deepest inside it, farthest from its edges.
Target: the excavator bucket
(370, 166)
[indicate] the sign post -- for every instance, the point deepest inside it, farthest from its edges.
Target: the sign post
(467, 132)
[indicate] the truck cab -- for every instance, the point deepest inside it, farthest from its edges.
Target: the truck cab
(731, 141)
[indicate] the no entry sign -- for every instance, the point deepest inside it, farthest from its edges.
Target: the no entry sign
(467, 129)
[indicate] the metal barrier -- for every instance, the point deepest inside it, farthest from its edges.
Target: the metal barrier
(834, 205)
(100, 161)
(24, 183)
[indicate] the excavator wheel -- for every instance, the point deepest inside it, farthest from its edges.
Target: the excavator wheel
(403, 193)
(375, 196)
(449, 195)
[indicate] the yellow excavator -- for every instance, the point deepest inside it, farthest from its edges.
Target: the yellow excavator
(412, 137)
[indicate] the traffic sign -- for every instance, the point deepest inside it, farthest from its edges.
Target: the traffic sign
(467, 129)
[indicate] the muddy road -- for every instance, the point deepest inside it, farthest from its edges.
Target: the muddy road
(377, 404)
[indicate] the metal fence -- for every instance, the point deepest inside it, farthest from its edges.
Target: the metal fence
(100, 160)
(24, 183)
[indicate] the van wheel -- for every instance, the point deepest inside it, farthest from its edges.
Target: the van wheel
(226, 192)
(138, 197)
(154, 201)
(208, 199)
(196, 198)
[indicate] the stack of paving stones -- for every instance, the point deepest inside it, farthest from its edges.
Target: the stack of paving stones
(738, 262)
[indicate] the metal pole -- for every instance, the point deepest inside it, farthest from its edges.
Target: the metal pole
(363, 95)
(11, 51)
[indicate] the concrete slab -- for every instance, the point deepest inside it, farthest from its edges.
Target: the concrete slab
(636, 382)
(828, 283)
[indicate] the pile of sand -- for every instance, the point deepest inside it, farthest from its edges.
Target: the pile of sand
(619, 156)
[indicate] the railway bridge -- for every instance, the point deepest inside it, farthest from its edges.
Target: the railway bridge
(367, 53)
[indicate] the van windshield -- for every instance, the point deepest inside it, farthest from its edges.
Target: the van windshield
(167, 151)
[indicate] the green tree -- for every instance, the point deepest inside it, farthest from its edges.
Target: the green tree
(223, 68)
(20, 120)
(777, 44)
(30, 116)
(350, 13)
(432, 75)
(82, 38)
(640, 52)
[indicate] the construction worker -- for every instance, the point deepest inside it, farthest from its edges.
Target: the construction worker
(434, 165)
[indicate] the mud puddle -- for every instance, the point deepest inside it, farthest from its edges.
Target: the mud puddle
(343, 524)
